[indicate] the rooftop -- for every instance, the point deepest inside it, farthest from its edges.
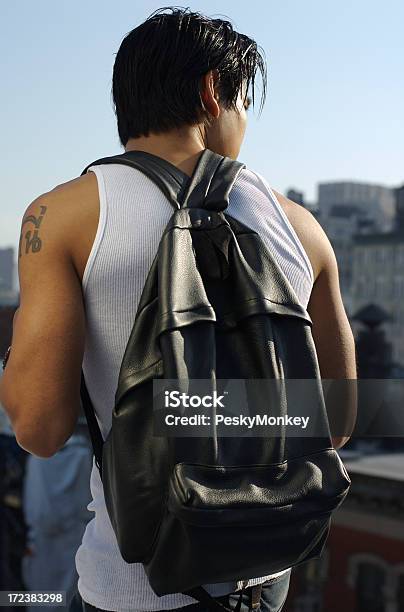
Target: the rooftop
(388, 466)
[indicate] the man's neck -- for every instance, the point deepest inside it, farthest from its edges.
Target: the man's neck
(177, 149)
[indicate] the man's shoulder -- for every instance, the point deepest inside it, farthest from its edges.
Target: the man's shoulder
(67, 200)
(296, 211)
(72, 213)
(308, 230)
(297, 214)
(81, 186)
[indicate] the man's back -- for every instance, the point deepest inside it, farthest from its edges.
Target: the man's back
(132, 216)
(78, 203)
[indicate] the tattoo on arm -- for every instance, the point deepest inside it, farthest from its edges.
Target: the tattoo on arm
(32, 240)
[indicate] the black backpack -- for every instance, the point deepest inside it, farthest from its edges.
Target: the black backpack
(196, 510)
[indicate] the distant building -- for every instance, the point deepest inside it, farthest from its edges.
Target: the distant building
(6, 269)
(362, 566)
(376, 202)
(8, 297)
(351, 208)
(296, 196)
(399, 195)
(341, 224)
(373, 351)
(378, 278)
(365, 550)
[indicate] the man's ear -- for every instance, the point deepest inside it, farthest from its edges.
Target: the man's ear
(209, 94)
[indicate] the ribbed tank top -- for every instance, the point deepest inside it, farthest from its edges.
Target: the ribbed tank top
(133, 215)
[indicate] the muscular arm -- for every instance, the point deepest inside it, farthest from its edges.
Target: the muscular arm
(332, 332)
(40, 386)
(335, 347)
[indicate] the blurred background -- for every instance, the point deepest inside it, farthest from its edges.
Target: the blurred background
(330, 137)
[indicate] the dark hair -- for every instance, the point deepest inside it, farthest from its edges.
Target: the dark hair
(160, 63)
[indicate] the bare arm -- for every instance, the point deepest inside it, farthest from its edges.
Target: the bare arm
(332, 332)
(335, 347)
(40, 386)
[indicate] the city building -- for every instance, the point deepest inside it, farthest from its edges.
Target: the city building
(298, 197)
(295, 196)
(341, 224)
(362, 566)
(346, 210)
(375, 202)
(399, 193)
(378, 278)
(6, 269)
(8, 295)
(365, 549)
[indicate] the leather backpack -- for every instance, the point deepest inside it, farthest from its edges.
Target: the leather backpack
(215, 306)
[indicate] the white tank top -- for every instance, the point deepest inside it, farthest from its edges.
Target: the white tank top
(133, 215)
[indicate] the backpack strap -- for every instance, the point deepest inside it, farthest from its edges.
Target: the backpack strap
(211, 603)
(164, 174)
(97, 440)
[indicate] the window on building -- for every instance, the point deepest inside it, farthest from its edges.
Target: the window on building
(370, 582)
(370, 288)
(380, 288)
(381, 255)
(398, 286)
(400, 592)
(400, 255)
(360, 257)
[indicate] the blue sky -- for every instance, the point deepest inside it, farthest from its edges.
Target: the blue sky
(335, 91)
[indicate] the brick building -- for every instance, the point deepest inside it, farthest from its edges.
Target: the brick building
(362, 569)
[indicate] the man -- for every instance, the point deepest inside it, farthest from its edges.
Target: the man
(180, 85)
